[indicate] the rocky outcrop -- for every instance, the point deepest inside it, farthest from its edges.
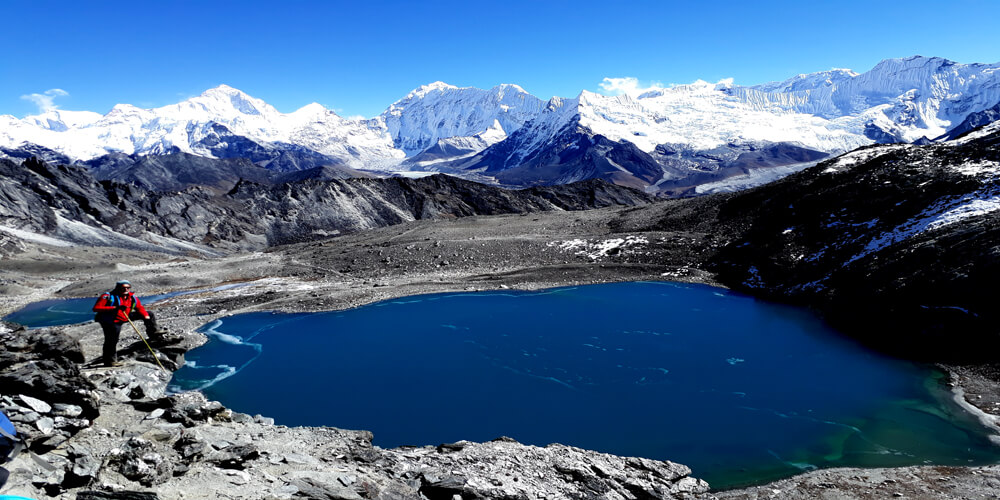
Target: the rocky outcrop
(897, 245)
(504, 468)
(43, 391)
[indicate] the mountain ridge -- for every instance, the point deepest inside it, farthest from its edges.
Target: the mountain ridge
(899, 100)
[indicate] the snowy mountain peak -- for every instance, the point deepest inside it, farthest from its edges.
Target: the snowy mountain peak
(423, 90)
(438, 111)
(494, 134)
(228, 101)
(508, 88)
(59, 120)
(123, 109)
(556, 103)
(311, 111)
(809, 81)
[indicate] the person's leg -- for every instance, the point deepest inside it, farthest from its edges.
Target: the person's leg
(152, 329)
(111, 333)
(3, 476)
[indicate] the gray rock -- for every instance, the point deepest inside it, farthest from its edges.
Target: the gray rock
(85, 467)
(190, 447)
(298, 458)
(56, 440)
(66, 410)
(234, 457)
(35, 404)
(140, 461)
(242, 418)
(314, 489)
(46, 425)
(25, 418)
(123, 379)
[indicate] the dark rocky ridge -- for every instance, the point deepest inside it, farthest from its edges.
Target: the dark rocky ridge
(856, 242)
(576, 153)
(254, 215)
(177, 171)
(222, 143)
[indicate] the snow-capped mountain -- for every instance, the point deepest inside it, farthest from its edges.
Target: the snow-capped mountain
(438, 111)
(471, 131)
(185, 126)
(900, 100)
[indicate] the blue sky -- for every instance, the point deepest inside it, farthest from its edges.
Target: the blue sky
(358, 57)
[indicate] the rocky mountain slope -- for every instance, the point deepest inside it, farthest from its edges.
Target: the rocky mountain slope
(66, 204)
(520, 140)
(898, 245)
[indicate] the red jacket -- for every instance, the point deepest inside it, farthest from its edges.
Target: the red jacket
(107, 304)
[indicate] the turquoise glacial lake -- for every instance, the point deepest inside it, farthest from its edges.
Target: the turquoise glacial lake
(740, 390)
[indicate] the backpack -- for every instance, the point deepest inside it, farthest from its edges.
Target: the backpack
(8, 439)
(110, 316)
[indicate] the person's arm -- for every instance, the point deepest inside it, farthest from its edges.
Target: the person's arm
(138, 307)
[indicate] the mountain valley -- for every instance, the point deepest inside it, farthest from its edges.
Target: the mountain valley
(871, 199)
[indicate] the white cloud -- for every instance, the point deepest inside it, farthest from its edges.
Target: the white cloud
(628, 86)
(44, 101)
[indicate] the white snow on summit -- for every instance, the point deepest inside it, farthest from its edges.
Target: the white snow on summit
(832, 111)
(705, 115)
(439, 110)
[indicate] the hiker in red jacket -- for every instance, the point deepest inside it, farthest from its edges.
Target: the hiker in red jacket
(115, 308)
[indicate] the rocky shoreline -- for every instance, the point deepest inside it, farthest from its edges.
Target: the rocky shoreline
(115, 434)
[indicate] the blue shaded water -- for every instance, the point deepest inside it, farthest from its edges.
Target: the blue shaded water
(740, 390)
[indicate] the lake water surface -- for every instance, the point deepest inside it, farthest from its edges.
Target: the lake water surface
(741, 390)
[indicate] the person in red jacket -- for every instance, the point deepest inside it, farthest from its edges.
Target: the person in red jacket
(114, 309)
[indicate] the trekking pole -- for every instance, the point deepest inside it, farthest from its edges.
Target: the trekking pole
(144, 342)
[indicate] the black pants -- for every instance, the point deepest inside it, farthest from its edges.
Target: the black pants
(113, 330)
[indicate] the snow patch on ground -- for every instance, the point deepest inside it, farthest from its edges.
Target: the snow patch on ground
(944, 212)
(846, 161)
(416, 174)
(982, 168)
(598, 249)
(35, 237)
(256, 287)
(754, 177)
